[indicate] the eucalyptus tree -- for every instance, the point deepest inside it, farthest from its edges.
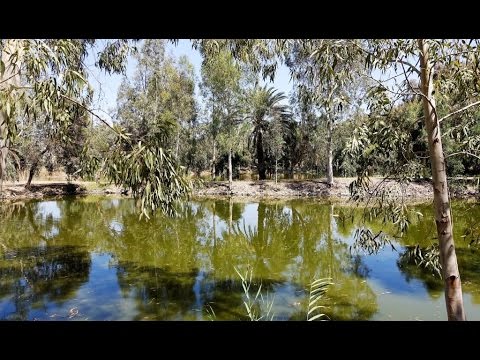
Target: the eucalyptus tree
(30, 147)
(222, 80)
(324, 69)
(70, 144)
(327, 74)
(48, 77)
(265, 107)
(51, 75)
(160, 98)
(184, 105)
(38, 141)
(410, 59)
(153, 109)
(276, 141)
(419, 60)
(307, 130)
(34, 147)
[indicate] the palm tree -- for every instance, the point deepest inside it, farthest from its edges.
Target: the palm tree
(265, 106)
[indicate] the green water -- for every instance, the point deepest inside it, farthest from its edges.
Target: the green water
(91, 258)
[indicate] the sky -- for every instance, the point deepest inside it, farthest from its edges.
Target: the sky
(106, 85)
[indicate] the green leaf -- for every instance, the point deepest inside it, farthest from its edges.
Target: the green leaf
(316, 317)
(2, 68)
(8, 108)
(315, 308)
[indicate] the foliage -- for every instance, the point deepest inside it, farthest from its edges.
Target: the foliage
(265, 110)
(392, 145)
(258, 308)
(223, 87)
(152, 175)
(370, 243)
(152, 112)
(318, 288)
(426, 258)
(54, 84)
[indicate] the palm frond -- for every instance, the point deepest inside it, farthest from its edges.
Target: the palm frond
(318, 288)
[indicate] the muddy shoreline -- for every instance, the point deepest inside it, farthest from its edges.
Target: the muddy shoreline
(419, 190)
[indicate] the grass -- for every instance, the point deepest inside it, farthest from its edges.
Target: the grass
(259, 307)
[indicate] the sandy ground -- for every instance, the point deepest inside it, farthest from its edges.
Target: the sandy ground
(303, 188)
(48, 188)
(316, 188)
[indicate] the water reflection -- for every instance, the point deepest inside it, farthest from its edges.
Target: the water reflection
(92, 258)
(33, 278)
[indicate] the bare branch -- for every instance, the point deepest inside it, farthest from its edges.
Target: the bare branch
(402, 93)
(390, 78)
(463, 153)
(406, 77)
(410, 65)
(88, 110)
(459, 110)
(12, 76)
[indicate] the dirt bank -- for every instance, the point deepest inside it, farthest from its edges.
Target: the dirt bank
(305, 188)
(317, 188)
(49, 189)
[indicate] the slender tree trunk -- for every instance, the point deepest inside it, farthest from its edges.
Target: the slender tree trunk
(276, 173)
(214, 158)
(214, 225)
(31, 173)
(330, 242)
(4, 146)
(230, 216)
(261, 212)
(443, 218)
(34, 167)
(329, 151)
(230, 178)
(260, 156)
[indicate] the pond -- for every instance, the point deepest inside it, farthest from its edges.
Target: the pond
(91, 258)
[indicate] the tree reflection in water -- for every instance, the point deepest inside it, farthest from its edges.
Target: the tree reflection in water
(34, 277)
(97, 250)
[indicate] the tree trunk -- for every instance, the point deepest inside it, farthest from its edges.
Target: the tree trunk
(443, 218)
(4, 146)
(331, 256)
(230, 216)
(34, 168)
(276, 173)
(230, 178)
(329, 152)
(260, 157)
(214, 158)
(31, 173)
(214, 227)
(261, 212)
